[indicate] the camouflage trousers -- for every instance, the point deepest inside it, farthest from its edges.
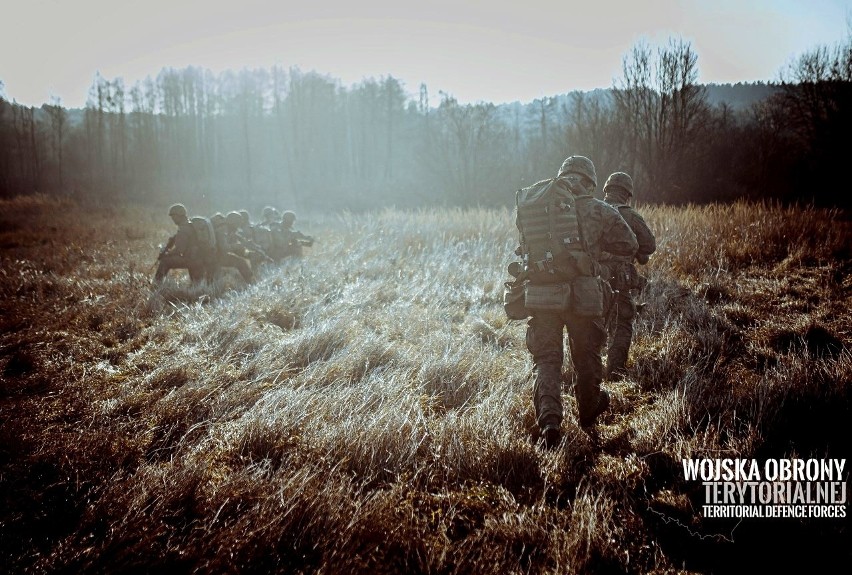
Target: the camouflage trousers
(230, 260)
(586, 339)
(281, 253)
(170, 262)
(620, 332)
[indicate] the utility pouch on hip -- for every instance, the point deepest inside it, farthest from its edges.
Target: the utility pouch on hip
(587, 300)
(513, 301)
(548, 297)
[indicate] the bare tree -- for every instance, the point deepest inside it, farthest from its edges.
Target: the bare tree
(662, 114)
(58, 119)
(313, 108)
(591, 128)
(6, 159)
(280, 136)
(468, 149)
(394, 102)
(543, 127)
(815, 97)
(24, 125)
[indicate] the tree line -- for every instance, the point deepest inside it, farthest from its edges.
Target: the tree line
(294, 138)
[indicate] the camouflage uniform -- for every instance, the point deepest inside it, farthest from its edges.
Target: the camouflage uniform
(181, 251)
(245, 219)
(292, 241)
(264, 234)
(243, 235)
(624, 278)
(228, 248)
(603, 229)
(270, 235)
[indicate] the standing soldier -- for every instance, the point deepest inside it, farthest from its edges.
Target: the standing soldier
(624, 278)
(563, 231)
(181, 251)
(293, 240)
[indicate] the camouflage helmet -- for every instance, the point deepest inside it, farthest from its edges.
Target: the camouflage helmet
(245, 216)
(177, 210)
(234, 219)
(619, 180)
(288, 217)
(579, 165)
(217, 219)
(269, 212)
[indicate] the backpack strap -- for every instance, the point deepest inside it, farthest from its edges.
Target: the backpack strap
(583, 260)
(524, 249)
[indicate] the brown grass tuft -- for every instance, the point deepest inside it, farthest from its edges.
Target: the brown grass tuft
(367, 409)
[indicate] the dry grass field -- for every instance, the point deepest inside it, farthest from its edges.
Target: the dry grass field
(368, 408)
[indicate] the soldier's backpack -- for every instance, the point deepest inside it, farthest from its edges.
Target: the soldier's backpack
(205, 236)
(554, 251)
(220, 231)
(550, 231)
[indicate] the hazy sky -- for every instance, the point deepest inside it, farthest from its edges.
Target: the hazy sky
(495, 51)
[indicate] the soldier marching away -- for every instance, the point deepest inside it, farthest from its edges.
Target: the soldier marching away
(563, 232)
(624, 278)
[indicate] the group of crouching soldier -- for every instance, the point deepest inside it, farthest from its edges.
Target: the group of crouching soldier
(205, 246)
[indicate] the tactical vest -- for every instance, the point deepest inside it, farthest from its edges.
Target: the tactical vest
(551, 233)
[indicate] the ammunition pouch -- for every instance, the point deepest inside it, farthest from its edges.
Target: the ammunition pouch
(584, 296)
(514, 300)
(588, 296)
(548, 297)
(623, 277)
(584, 264)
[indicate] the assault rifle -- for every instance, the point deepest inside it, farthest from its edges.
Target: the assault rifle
(252, 245)
(296, 238)
(164, 249)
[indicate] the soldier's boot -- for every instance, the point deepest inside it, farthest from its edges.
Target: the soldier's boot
(548, 403)
(616, 360)
(615, 371)
(162, 269)
(551, 435)
(588, 420)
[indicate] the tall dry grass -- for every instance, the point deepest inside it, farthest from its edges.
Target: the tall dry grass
(367, 408)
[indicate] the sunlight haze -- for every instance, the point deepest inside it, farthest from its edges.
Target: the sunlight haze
(476, 51)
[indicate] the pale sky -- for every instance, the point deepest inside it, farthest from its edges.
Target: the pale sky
(497, 51)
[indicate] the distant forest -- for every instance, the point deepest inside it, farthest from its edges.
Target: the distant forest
(300, 139)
